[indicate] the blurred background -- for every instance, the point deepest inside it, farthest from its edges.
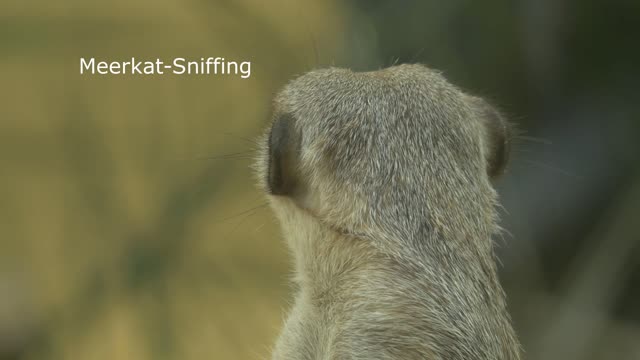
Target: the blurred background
(130, 225)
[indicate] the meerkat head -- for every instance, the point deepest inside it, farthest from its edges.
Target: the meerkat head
(380, 152)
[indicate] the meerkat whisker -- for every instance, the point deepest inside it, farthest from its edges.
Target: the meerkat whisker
(250, 210)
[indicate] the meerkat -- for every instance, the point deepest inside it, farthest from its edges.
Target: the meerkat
(382, 184)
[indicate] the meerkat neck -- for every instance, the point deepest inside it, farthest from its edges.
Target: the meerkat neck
(453, 294)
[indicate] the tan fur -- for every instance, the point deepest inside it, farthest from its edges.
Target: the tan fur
(381, 182)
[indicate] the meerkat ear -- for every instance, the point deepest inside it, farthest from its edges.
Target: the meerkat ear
(497, 140)
(284, 148)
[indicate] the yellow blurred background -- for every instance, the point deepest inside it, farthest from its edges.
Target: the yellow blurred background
(131, 227)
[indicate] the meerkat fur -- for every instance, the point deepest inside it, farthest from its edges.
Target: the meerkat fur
(382, 184)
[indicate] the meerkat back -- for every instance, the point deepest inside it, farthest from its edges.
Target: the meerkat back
(382, 183)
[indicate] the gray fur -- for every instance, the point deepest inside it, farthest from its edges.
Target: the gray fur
(391, 218)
